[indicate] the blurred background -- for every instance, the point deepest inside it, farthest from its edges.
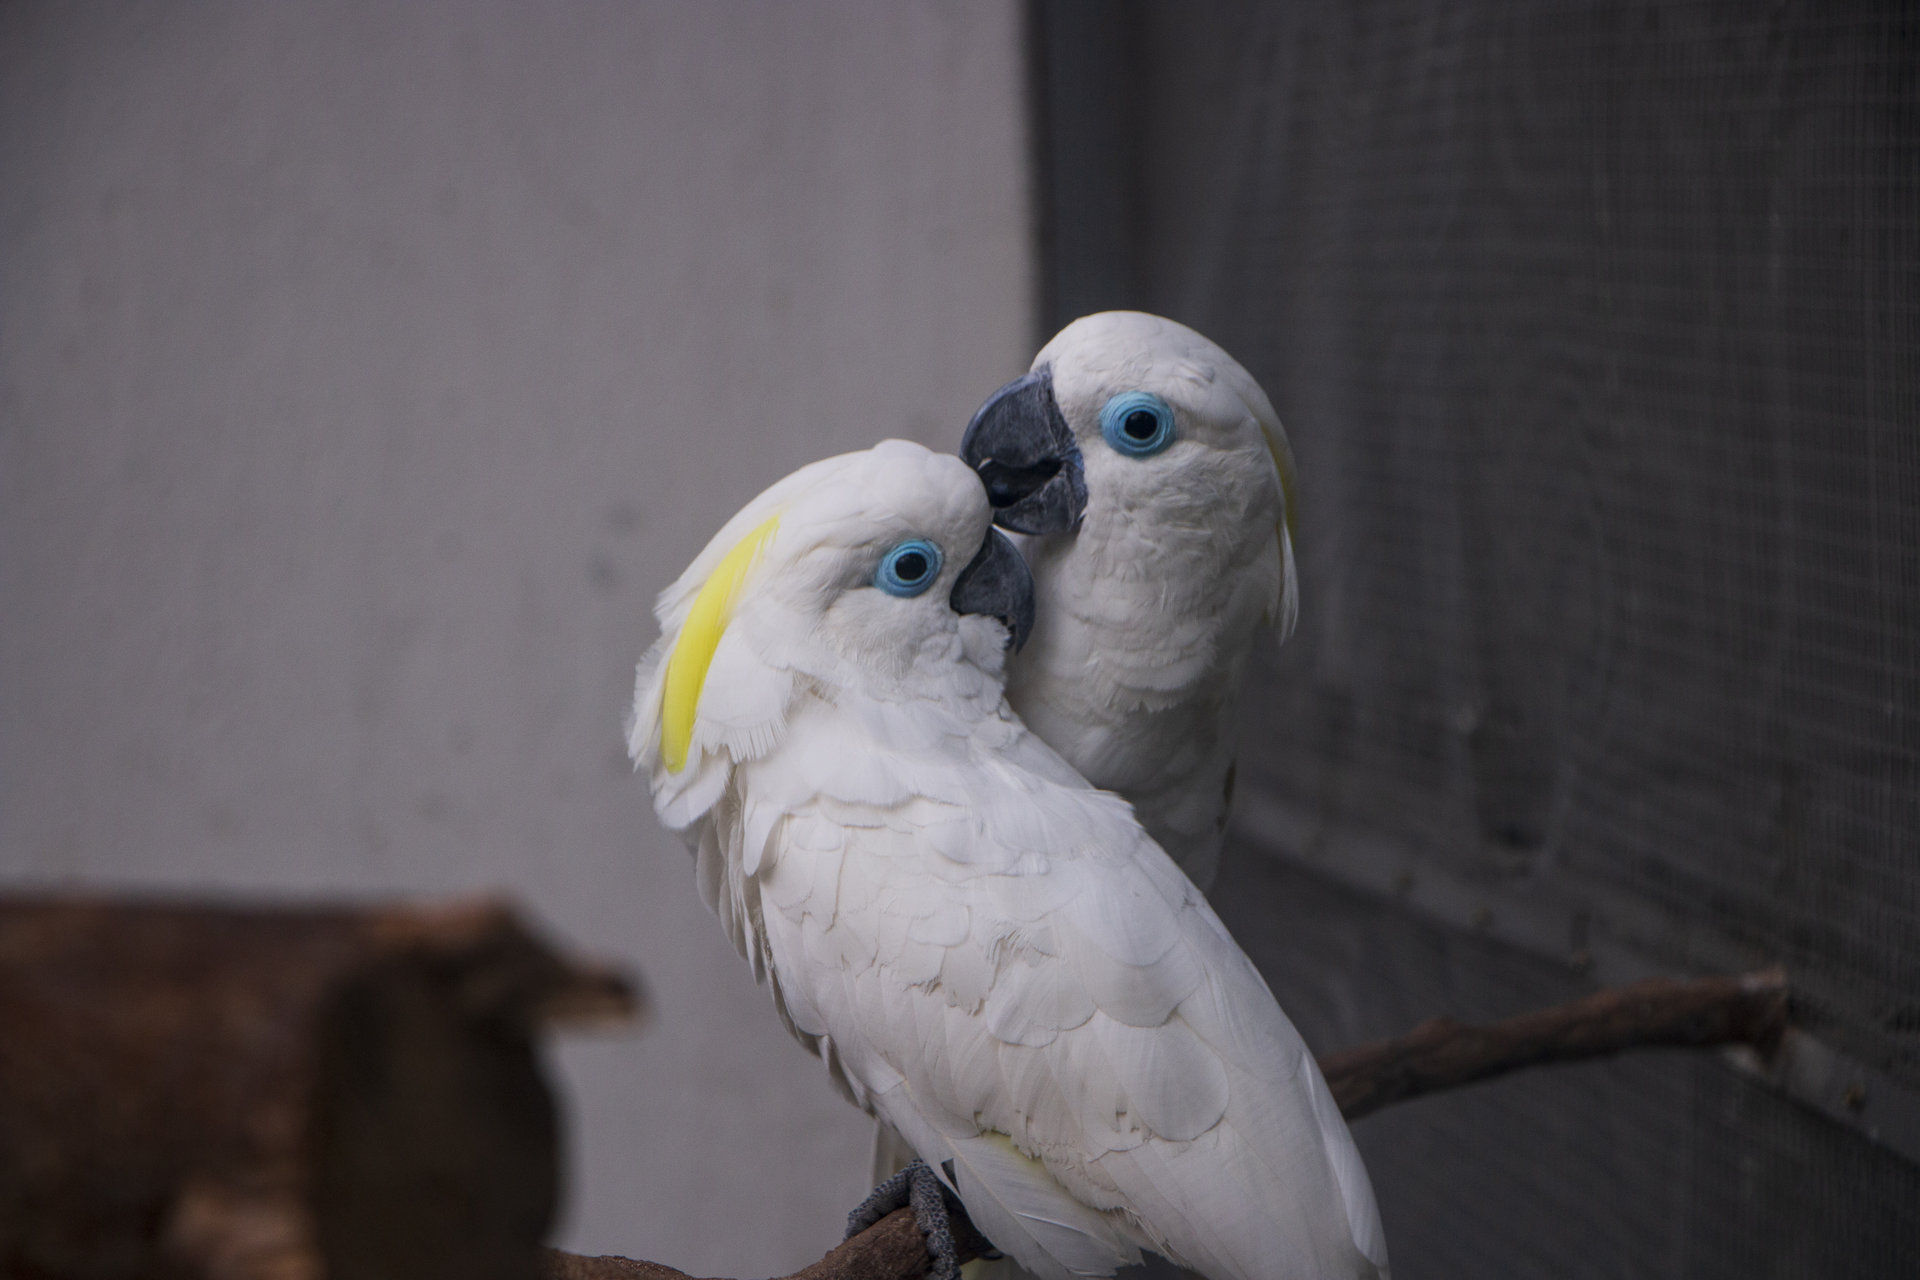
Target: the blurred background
(366, 368)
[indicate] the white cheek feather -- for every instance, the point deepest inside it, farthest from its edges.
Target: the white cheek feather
(743, 707)
(983, 643)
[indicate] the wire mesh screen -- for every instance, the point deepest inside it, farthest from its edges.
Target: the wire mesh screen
(1653, 1164)
(1597, 332)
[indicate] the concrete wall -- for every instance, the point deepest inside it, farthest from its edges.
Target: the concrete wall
(364, 371)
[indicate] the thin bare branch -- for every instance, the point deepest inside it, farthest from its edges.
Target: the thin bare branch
(1442, 1054)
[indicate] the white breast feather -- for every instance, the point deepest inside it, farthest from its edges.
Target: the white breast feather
(1047, 1003)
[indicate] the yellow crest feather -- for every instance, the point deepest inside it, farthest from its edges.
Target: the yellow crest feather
(699, 637)
(1283, 463)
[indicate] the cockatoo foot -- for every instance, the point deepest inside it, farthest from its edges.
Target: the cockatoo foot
(941, 1217)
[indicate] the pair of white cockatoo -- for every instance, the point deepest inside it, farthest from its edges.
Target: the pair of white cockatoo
(932, 786)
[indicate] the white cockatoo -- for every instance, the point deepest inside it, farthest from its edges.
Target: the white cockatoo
(987, 953)
(1156, 482)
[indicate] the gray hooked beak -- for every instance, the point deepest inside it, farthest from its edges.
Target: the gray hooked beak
(1023, 451)
(997, 583)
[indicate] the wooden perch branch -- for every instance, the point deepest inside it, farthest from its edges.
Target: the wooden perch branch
(208, 1093)
(1440, 1054)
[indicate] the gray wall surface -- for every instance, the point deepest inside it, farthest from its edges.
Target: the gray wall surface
(364, 371)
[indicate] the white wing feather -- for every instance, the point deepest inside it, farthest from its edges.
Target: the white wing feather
(1054, 1009)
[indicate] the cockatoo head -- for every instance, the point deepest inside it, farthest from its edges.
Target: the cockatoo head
(877, 570)
(1142, 436)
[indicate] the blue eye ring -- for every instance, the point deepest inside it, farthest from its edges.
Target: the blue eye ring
(908, 569)
(1137, 423)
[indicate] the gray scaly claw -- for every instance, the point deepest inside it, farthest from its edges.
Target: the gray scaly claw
(934, 1210)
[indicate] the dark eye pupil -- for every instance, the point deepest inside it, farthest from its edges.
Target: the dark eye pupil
(911, 567)
(1140, 425)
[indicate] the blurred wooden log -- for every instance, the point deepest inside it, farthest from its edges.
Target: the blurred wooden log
(235, 1094)
(1441, 1054)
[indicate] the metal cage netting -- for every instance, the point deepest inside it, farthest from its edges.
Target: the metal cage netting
(1596, 329)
